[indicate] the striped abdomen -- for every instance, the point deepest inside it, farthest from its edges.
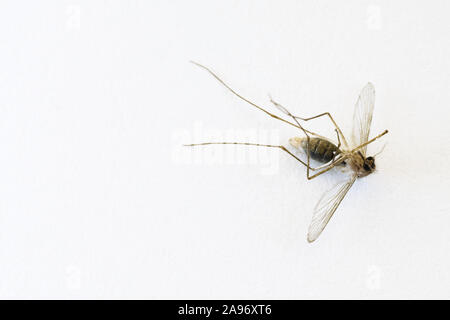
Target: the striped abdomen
(320, 150)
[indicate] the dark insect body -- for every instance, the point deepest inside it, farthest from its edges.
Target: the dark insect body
(320, 149)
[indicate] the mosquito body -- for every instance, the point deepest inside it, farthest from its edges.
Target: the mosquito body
(325, 151)
(351, 157)
(321, 150)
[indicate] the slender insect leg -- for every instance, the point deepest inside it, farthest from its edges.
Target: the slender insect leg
(326, 164)
(251, 144)
(339, 140)
(241, 97)
(370, 141)
(334, 163)
(283, 109)
(286, 111)
(311, 118)
(328, 168)
(332, 120)
(339, 143)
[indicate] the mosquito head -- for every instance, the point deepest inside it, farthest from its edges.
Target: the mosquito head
(369, 164)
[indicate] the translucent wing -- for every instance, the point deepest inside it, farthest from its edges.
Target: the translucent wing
(362, 117)
(326, 206)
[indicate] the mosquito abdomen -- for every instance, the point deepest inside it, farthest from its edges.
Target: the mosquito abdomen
(319, 149)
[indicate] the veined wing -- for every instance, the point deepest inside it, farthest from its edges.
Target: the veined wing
(326, 207)
(362, 117)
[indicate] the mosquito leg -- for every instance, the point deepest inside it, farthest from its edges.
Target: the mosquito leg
(286, 111)
(327, 164)
(339, 140)
(339, 132)
(339, 143)
(283, 109)
(246, 100)
(253, 144)
(332, 120)
(328, 168)
(370, 141)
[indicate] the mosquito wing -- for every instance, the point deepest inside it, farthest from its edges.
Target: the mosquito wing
(326, 206)
(362, 117)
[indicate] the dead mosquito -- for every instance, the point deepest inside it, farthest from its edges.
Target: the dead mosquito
(349, 157)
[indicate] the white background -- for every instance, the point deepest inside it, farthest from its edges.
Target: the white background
(99, 200)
